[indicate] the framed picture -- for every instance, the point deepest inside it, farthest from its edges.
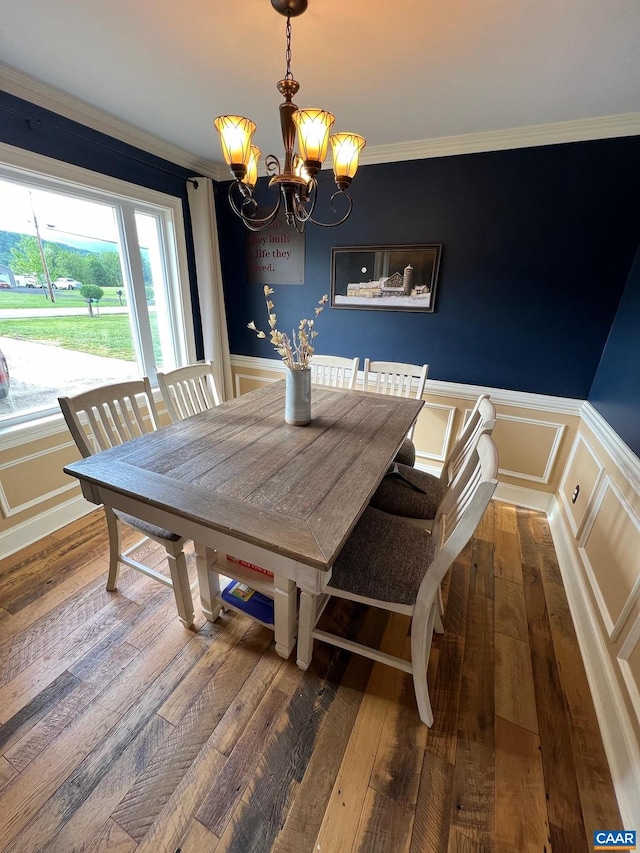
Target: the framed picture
(387, 278)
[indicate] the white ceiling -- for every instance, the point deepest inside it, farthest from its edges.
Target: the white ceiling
(396, 72)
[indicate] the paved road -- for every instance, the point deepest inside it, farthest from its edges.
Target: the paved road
(40, 373)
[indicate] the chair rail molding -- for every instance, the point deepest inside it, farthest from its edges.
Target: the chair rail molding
(437, 387)
(27, 432)
(622, 455)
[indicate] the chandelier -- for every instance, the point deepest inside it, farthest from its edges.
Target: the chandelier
(295, 180)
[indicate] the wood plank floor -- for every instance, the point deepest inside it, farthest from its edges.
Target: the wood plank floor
(122, 731)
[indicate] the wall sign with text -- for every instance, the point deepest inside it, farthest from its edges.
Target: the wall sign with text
(275, 255)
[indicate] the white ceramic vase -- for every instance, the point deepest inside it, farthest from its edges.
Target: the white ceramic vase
(297, 405)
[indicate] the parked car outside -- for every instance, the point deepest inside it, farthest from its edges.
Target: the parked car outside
(28, 280)
(67, 284)
(5, 382)
(5, 285)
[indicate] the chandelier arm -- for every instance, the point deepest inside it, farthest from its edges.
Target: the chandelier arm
(305, 213)
(339, 221)
(246, 196)
(272, 164)
(299, 224)
(252, 223)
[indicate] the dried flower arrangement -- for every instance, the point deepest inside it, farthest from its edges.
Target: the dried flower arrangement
(296, 351)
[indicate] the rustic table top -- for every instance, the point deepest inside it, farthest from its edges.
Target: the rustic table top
(240, 469)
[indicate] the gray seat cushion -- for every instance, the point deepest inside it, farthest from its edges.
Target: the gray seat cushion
(395, 496)
(407, 453)
(384, 558)
(147, 528)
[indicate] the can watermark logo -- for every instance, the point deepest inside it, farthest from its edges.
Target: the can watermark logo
(614, 839)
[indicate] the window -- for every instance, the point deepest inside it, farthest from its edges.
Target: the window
(94, 285)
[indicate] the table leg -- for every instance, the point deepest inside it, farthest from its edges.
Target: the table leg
(305, 627)
(180, 581)
(208, 581)
(284, 606)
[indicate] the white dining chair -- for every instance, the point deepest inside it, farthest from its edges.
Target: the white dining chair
(399, 380)
(188, 390)
(106, 417)
(415, 495)
(334, 371)
(390, 564)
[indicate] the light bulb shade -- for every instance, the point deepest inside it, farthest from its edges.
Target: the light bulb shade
(346, 148)
(235, 138)
(252, 169)
(314, 127)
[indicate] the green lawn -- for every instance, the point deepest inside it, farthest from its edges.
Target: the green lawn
(63, 299)
(108, 335)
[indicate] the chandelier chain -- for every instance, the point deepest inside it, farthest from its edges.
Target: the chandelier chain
(289, 74)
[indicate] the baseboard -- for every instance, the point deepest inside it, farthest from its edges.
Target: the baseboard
(43, 524)
(521, 496)
(618, 735)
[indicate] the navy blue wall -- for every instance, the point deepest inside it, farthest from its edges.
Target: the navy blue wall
(33, 128)
(537, 247)
(616, 388)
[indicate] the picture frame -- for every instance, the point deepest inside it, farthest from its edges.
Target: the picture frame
(385, 278)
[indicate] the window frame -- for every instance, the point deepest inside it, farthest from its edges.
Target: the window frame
(44, 172)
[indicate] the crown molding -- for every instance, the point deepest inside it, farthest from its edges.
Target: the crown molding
(605, 127)
(35, 91)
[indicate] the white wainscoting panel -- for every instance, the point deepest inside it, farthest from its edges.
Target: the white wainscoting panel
(446, 425)
(581, 449)
(6, 506)
(248, 376)
(610, 535)
(43, 524)
(618, 735)
(556, 431)
(631, 646)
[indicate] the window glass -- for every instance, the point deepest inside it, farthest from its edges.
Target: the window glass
(85, 296)
(154, 271)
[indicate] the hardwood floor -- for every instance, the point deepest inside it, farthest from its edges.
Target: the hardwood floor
(123, 731)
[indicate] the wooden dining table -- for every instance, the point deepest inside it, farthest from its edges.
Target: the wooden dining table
(239, 481)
